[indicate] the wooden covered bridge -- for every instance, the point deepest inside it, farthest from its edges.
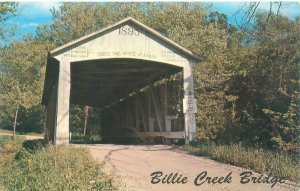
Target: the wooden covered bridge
(117, 69)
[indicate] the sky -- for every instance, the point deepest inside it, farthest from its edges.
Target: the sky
(32, 14)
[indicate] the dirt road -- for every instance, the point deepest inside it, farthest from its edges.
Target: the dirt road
(133, 165)
(27, 137)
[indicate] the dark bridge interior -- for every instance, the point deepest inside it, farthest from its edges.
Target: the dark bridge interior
(131, 105)
(100, 83)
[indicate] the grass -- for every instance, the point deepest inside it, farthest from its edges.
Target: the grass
(6, 141)
(263, 161)
(36, 166)
(8, 149)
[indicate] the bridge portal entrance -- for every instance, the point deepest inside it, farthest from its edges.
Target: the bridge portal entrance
(140, 81)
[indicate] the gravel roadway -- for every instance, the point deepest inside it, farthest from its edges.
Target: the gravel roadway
(27, 137)
(132, 165)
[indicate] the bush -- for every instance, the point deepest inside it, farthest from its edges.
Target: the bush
(78, 138)
(31, 120)
(54, 168)
(30, 147)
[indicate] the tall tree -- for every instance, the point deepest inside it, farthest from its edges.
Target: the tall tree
(21, 79)
(85, 116)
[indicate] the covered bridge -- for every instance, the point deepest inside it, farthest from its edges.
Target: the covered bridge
(115, 69)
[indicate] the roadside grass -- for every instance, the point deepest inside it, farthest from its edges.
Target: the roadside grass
(8, 145)
(8, 149)
(262, 161)
(37, 166)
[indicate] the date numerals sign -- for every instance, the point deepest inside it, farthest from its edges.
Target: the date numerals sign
(126, 30)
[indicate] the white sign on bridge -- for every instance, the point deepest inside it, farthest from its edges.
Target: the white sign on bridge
(189, 105)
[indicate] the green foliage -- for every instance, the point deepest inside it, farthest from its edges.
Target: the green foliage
(266, 84)
(21, 82)
(77, 121)
(31, 120)
(286, 135)
(18, 60)
(280, 164)
(64, 29)
(7, 10)
(55, 168)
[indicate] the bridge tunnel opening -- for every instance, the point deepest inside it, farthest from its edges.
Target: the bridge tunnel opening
(129, 100)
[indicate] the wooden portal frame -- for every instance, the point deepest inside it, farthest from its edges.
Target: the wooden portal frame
(127, 39)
